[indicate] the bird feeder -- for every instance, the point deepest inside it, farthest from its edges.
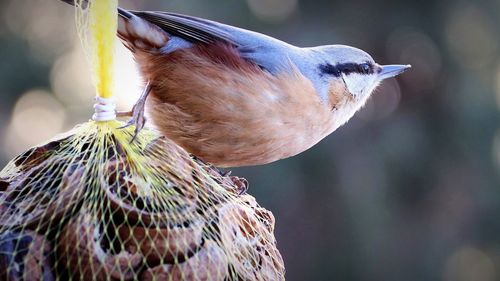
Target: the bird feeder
(92, 205)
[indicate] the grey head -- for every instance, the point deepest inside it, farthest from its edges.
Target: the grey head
(351, 66)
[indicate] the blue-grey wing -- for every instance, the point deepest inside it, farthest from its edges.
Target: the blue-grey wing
(267, 52)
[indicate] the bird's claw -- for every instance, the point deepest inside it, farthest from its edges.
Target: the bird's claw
(138, 119)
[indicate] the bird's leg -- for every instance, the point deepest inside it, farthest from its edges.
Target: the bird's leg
(137, 112)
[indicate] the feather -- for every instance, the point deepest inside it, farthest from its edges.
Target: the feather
(268, 53)
(190, 28)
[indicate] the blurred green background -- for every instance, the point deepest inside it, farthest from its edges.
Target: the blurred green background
(408, 190)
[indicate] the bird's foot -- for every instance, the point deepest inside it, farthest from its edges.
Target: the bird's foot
(137, 113)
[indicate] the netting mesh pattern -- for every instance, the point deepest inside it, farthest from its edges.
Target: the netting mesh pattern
(90, 205)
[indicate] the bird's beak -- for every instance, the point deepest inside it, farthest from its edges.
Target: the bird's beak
(388, 71)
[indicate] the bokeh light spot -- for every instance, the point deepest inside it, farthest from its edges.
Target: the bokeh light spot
(46, 36)
(412, 46)
(71, 79)
(72, 83)
(471, 37)
(273, 10)
(37, 117)
(469, 264)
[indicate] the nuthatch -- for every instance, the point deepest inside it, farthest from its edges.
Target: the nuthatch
(234, 97)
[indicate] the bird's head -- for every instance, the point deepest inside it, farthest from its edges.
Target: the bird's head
(356, 69)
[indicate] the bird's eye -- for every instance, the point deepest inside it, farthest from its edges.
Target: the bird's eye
(365, 68)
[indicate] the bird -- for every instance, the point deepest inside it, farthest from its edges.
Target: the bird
(234, 97)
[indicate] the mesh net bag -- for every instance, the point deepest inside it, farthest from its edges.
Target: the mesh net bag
(92, 205)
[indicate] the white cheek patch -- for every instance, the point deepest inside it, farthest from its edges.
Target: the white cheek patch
(359, 84)
(373, 86)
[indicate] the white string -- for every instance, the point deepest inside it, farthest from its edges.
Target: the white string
(105, 109)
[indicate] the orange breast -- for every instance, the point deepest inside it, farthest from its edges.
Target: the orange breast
(229, 112)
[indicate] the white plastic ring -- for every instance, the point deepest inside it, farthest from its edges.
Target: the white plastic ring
(105, 109)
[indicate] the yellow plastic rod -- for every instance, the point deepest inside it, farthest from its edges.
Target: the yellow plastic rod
(103, 25)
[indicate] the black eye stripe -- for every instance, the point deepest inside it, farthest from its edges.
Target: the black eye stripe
(329, 69)
(346, 68)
